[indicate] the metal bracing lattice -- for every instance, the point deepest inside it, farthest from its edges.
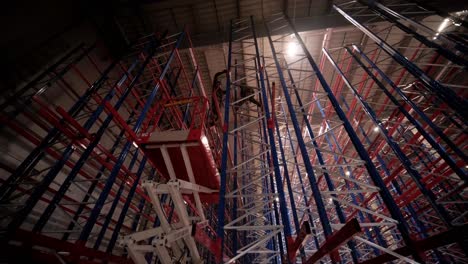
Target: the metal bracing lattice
(79, 189)
(357, 155)
(378, 152)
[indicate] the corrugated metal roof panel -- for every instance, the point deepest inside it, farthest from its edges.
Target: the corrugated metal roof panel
(184, 16)
(206, 16)
(251, 8)
(227, 10)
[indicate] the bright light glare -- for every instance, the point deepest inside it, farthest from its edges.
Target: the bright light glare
(135, 145)
(441, 28)
(321, 130)
(292, 49)
(204, 140)
(277, 199)
(376, 129)
(443, 25)
(348, 173)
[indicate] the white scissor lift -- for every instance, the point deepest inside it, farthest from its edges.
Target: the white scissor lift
(171, 242)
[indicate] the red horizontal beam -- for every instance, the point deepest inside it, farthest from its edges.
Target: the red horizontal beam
(454, 235)
(338, 238)
(34, 138)
(295, 244)
(73, 251)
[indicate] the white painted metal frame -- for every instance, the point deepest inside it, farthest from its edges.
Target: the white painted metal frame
(169, 240)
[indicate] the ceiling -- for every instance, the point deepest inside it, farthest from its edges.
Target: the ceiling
(34, 32)
(208, 21)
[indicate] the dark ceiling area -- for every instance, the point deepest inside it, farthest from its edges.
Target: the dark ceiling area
(234, 131)
(33, 31)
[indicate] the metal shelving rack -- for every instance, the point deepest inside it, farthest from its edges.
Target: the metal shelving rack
(364, 151)
(80, 188)
(355, 156)
(248, 217)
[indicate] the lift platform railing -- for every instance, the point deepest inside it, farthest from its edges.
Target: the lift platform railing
(191, 115)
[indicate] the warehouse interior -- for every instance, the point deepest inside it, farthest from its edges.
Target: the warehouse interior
(234, 131)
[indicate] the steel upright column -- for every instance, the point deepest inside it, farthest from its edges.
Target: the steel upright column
(444, 93)
(110, 181)
(443, 214)
(373, 173)
(257, 219)
(452, 42)
(224, 160)
(305, 157)
(38, 192)
(442, 152)
(39, 152)
(271, 136)
(383, 12)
